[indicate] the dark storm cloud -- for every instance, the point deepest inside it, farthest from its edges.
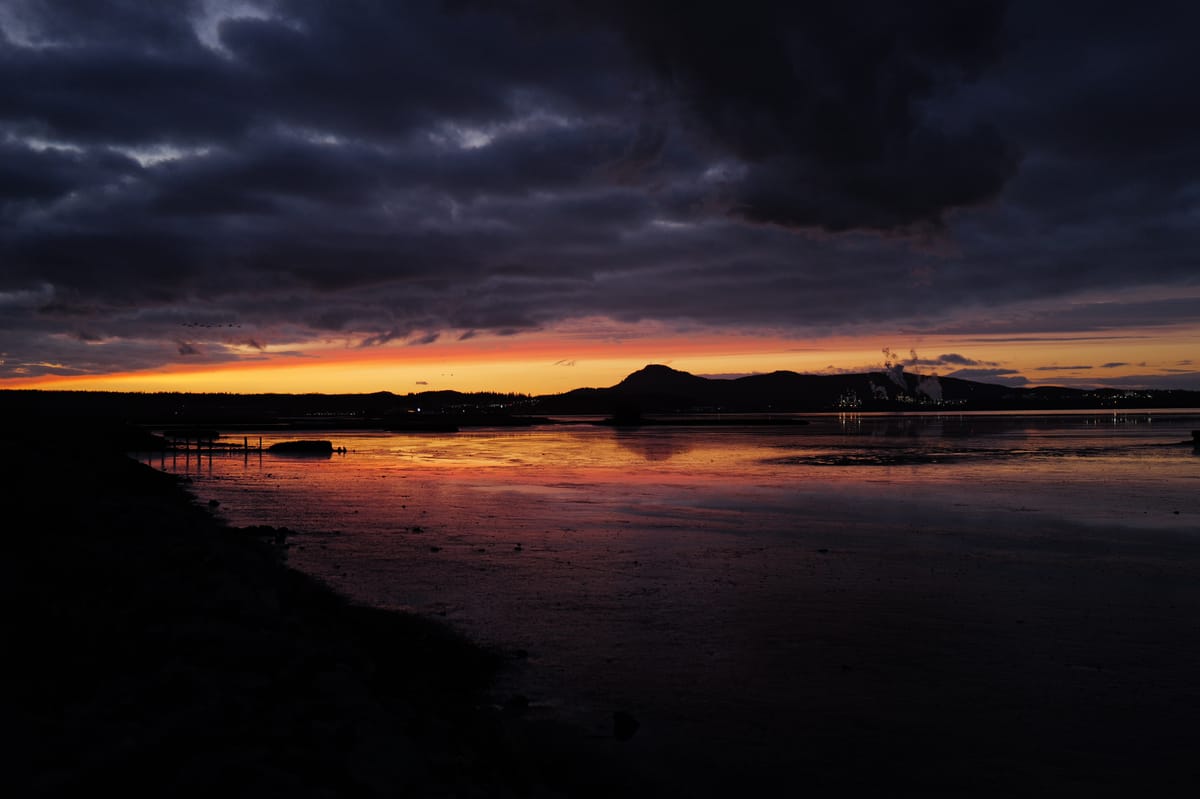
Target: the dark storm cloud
(1085, 317)
(1007, 377)
(959, 360)
(1180, 381)
(41, 176)
(385, 172)
(824, 104)
(945, 360)
(138, 72)
(428, 338)
(130, 23)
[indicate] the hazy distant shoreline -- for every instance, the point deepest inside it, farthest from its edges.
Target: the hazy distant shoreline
(655, 391)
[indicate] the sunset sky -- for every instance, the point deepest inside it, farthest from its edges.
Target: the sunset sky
(351, 195)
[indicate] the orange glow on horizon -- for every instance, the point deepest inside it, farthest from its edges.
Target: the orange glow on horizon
(577, 356)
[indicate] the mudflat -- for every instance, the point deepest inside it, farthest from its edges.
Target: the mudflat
(156, 651)
(160, 651)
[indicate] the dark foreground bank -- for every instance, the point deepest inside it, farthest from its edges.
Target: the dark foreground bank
(964, 654)
(158, 652)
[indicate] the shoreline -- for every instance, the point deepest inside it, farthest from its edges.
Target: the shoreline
(159, 650)
(959, 644)
(165, 650)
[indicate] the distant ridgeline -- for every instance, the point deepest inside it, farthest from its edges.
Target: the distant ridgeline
(661, 389)
(652, 390)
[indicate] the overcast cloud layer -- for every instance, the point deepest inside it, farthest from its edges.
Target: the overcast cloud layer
(208, 180)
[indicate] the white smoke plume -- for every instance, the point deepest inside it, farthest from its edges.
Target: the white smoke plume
(931, 387)
(894, 368)
(927, 385)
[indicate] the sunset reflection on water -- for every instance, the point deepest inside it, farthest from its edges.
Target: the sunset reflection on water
(1105, 470)
(652, 567)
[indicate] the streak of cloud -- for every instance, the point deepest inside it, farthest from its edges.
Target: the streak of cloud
(179, 178)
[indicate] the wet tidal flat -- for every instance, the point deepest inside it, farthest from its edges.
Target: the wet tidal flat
(957, 603)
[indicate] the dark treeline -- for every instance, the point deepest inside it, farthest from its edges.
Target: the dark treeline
(654, 389)
(293, 410)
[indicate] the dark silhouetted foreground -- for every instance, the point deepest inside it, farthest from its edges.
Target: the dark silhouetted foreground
(158, 652)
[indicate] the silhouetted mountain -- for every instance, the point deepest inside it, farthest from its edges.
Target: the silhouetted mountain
(654, 389)
(660, 389)
(658, 379)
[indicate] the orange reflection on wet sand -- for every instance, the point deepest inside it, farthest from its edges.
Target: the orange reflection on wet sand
(743, 587)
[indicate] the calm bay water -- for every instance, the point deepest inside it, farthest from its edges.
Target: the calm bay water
(498, 485)
(711, 578)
